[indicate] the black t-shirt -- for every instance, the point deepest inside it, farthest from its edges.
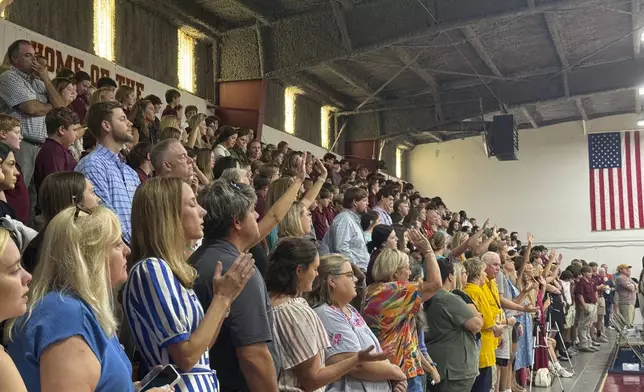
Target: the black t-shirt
(261, 258)
(249, 322)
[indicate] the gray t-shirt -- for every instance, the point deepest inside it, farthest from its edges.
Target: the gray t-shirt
(449, 343)
(349, 335)
(250, 320)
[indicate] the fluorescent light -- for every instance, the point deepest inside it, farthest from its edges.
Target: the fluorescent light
(641, 90)
(640, 122)
(642, 36)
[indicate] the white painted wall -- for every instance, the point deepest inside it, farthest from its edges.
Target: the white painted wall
(545, 192)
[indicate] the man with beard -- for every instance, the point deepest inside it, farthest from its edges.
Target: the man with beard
(114, 181)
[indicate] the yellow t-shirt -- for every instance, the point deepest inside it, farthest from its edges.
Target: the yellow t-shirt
(482, 298)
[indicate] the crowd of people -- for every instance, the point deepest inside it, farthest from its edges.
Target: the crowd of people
(129, 242)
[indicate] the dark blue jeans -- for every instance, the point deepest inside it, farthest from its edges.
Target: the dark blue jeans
(609, 311)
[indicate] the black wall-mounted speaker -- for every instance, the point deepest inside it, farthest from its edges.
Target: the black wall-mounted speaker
(503, 138)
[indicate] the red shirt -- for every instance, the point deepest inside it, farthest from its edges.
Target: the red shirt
(143, 176)
(18, 199)
(79, 106)
(322, 219)
(168, 111)
(52, 158)
(587, 289)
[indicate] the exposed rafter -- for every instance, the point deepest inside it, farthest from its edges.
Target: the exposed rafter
(311, 83)
(189, 13)
(580, 107)
(480, 50)
(487, 59)
(255, 11)
(352, 79)
(559, 48)
(369, 13)
(529, 117)
(341, 21)
(405, 57)
(462, 104)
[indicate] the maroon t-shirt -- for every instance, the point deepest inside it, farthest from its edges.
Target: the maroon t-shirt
(587, 289)
(79, 106)
(168, 111)
(52, 158)
(18, 199)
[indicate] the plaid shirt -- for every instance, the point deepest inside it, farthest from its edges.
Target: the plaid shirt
(17, 87)
(345, 236)
(114, 183)
(385, 218)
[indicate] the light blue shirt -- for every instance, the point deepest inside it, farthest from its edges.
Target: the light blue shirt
(345, 236)
(385, 218)
(60, 316)
(114, 183)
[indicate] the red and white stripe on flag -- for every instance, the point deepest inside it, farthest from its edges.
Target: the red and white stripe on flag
(616, 192)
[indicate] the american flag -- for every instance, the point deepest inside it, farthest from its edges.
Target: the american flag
(615, 160)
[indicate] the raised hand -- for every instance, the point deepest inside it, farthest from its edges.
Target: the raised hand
(486, 223)
(419, 240)
(300, 167)
(530, 238)
(320, 168)
(367, 355)
(233, 281)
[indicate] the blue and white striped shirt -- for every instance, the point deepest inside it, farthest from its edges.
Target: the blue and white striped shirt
(114, 183)
(160, 312)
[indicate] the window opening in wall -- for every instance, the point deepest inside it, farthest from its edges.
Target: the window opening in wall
(186, 61)
(325, 125)
(104, 15)
(399, 155)
(290, 95)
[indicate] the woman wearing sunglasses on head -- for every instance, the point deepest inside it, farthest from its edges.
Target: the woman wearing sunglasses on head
(13, 303)
(67, 341)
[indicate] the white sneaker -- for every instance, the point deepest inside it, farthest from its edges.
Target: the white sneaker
(562, 371)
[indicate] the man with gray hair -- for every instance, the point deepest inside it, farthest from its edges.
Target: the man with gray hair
(170, 159)
(243, 355)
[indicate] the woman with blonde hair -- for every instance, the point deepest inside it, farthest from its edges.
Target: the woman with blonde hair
(198, 129)
(296, 223)
(392, 302)
(333, 290)
(205, 162)
(67, 341)
(103, 94)
(13, 290)
(279, 188)
(491, 330)
(168, 323)
(126, 96)
(170, 121)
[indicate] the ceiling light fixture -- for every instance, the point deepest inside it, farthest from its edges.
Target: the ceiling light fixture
(641, 90)
(640, 122)
(642, 36)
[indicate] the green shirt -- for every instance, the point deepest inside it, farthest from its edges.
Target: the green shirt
(449, 343)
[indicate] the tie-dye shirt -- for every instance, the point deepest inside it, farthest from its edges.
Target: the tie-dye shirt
(389, 311)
